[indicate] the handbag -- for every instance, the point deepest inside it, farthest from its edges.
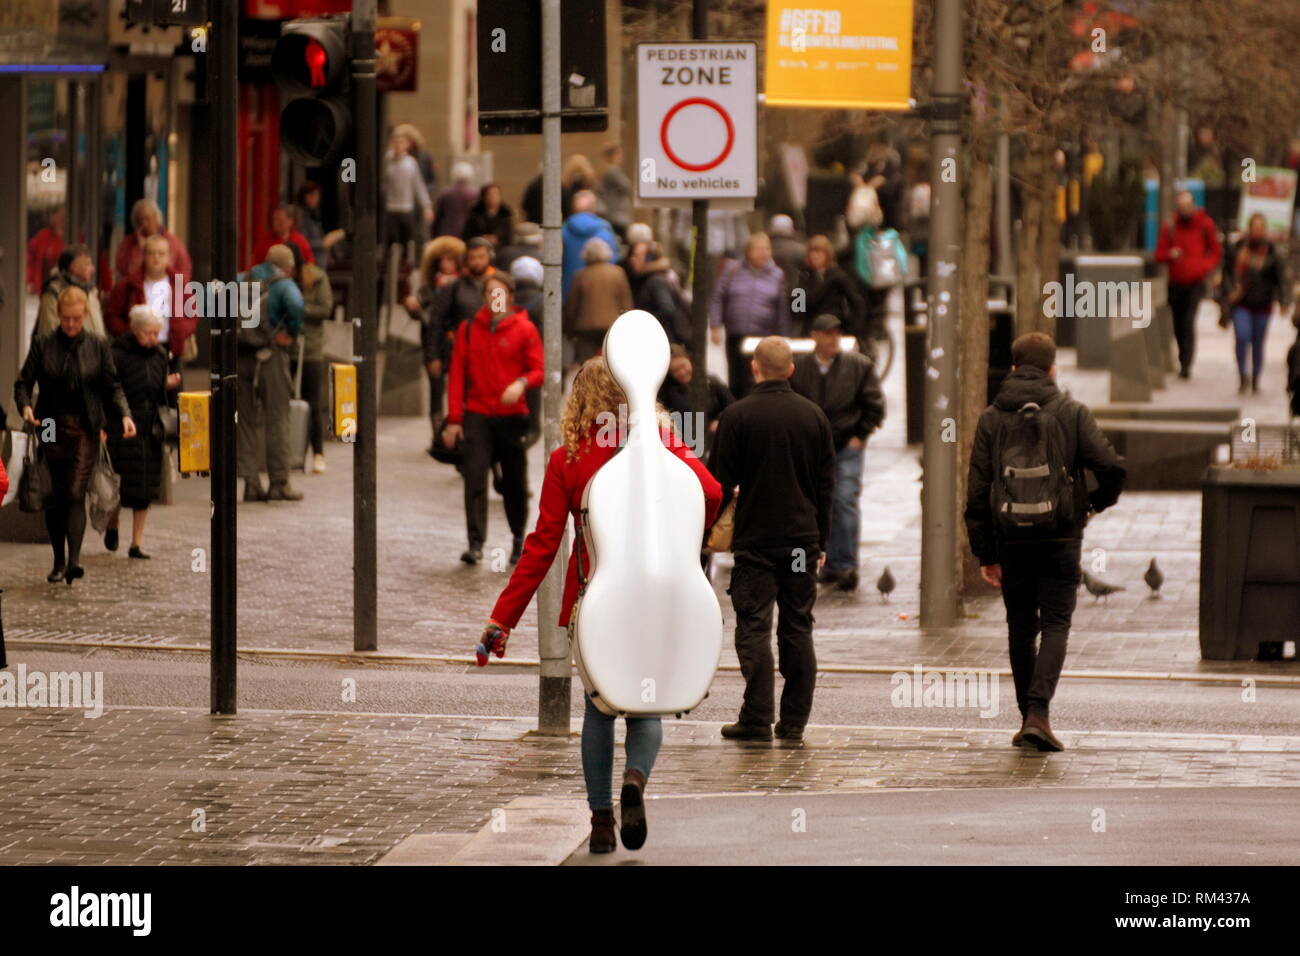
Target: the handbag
(13, 446)
(723, 529)
(441, 451)
(104, 493)
(863, 208)
(36, 486)
(884, 254)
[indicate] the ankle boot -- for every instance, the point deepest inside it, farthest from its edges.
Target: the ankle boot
(602, 831)
(1038, 731)
(632, 824)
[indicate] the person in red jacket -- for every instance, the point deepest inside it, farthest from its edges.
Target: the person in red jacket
(496, 356)
(155, 284)
(595, 394)
(1189, 243)
(284, 230)
(44, 248)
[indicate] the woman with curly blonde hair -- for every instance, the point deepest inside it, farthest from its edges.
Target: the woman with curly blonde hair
(592, 431)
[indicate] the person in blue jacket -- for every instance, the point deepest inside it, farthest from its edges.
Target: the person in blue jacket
(263, 375)
(578, 228)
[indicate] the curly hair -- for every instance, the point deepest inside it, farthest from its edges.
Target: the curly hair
(594, 393)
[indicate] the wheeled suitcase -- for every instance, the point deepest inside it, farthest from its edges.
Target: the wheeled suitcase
(299, 416)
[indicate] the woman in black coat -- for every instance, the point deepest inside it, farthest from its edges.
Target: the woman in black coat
(144, 371)
(825, 288)
(490, 217)
(71, 375)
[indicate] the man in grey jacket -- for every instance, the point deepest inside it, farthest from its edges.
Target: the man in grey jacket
(749, 299)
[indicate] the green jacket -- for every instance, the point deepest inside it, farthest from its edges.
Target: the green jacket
(318, 307)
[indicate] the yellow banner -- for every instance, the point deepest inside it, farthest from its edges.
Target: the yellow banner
(850, 54)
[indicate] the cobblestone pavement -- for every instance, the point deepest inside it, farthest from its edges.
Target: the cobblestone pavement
(295, 569)
(310, 788)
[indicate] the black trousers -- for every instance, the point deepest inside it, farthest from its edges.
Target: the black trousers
(1040, 584)
(786, 578)
(1183, 303)
(740, 377)
(313, 393)
(490, 440)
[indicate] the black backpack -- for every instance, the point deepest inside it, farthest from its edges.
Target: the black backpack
(1033, 490)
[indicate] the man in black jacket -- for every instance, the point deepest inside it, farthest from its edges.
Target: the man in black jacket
(776, 447)
(452, 305)
(1037, 568)
(845, 387)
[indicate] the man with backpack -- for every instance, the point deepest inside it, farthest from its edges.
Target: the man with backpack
(1027, 502)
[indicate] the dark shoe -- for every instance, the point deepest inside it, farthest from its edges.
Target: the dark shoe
(1243, 388)
(472, 555)
(827, 576)
(110, 539)
(1018, 737)
(1254, 385)
(632, 825)
(1038, 732)
(72, 573)
(55, 575)
(135, 552)
(848, 581)
(602, 832)
(284, 492)
(253, 490)
(740, 731)
(517, 550)
(1184, 372)
(788, 733)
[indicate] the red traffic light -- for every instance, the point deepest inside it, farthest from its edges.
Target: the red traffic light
(316, 58)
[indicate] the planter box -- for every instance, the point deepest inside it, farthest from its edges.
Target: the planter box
(1250, 561)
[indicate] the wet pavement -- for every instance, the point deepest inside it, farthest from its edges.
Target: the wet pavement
(164, 785)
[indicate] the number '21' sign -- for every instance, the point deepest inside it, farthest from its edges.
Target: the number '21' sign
(167, 13)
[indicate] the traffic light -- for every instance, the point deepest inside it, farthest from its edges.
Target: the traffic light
(310, 65)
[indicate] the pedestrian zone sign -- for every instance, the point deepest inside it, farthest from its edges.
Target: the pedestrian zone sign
(697, 118)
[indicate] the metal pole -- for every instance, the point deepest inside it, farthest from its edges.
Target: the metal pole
(939, 492)
(223, 63)
(365, 333)
(556, 678)
(699, 277)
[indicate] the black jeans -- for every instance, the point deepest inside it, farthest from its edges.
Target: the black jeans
(787, 578)
(740, 377)
(488, 440)
(1040, 584)
(1183, 303)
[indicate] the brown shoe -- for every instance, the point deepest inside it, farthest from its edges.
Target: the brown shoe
(1038, 732)
(602, 831)
(631, 810)
(1018, 737)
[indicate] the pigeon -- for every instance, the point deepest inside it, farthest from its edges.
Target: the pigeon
(1099, 589)
(885, 584)
(1154, 578)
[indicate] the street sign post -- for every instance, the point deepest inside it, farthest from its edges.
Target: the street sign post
(697, 121)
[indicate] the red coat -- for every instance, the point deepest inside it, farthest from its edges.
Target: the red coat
(42, 257)
(268, 240)
(562, 490)
(4, 480)
(1198, 238)
(496, 358)
(129, 292)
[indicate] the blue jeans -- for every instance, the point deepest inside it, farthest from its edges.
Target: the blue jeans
(644, 735)
(1251, 325)
(846, 514)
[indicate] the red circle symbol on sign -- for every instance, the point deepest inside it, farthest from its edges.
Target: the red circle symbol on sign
(717, 160)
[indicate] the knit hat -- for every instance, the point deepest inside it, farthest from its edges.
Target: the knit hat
(280, 256)
(527, 269)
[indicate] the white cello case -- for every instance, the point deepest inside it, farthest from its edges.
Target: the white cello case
(648, 628)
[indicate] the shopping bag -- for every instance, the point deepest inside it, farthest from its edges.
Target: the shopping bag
(36, 485)
(104, 494)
